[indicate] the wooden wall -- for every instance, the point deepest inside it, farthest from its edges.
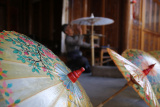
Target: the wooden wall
(102, 8)
(39, 19)
(145, 33)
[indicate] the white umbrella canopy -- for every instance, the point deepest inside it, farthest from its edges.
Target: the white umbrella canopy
(93, 21)
(96, 21)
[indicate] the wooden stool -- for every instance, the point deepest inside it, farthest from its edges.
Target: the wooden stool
(102, 57)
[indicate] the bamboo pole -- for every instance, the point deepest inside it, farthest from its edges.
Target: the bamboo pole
(123, 88)
(92, 45)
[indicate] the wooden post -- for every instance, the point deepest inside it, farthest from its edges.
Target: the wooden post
(143, 22)
(127, 22)
(123, 88)
(125, 26)
(85, 3)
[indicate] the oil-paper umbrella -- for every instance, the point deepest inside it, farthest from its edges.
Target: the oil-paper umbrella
(93, 21)
(144, 60)
(135, 77)
(155, 54)
(32, 76)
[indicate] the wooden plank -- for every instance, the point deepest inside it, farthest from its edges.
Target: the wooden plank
(143, 23)
(85, 3)
(159, 20)
(150, 14)
(155, 14)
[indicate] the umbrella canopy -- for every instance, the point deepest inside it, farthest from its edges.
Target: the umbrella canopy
(32, 76)
(143, 60)
(136, 78)
(155, 54)
(93, 21)
(96, 21)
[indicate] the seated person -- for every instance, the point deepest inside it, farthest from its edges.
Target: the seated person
(73, 43)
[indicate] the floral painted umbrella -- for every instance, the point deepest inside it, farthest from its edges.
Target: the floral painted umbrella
(32, 76)
(144, 60)
(155, 54)
(135, 77)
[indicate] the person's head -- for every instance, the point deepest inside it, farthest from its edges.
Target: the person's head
(67, 29)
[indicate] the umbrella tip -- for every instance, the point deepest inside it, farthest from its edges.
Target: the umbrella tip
(152, 65)
(92, 15)
(73, 76)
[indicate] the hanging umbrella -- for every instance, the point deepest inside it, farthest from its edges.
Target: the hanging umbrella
(135, 77)
(32, 76)
(155, 54)
(92, 21)
(143, 60)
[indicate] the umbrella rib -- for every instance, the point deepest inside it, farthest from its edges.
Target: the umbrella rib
(17, 62)
(25, 77)
(58, 97)
(39, 92)
(14, 61)
(21, 63)
(60, 69)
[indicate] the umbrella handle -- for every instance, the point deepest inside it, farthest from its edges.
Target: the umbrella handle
(123, 88)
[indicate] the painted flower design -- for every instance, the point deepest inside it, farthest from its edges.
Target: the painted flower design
(147, 97)
(28, 41)
(1, 51)
(3, 34)
(73, 87)
(44, 69)
(26, 53)
(140, 57)
(12, 103)
(130, 54)
(5, 88)
(48, 53)
(1, 42)
(127, 75)
(2, 73)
